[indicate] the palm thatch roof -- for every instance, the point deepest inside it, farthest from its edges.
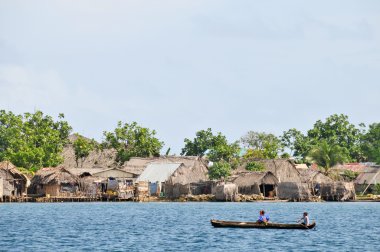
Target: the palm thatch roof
(368, 178)
(312, 176)
(250, 178)
(96, 158)
(284, 169)
(196, 172)
(11, 169)
(137, 165)
(53, 175)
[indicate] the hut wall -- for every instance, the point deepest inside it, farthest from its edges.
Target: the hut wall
(293, 191)
(225, 192)
(1, 189)
(177, 190)
(142, 190)
(52, 190)
(338, 191)
(201, 187)
(250, 189)
(283, 169)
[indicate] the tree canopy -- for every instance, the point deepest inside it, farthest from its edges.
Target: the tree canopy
(327, 155)
(216, 147)
(32, 140)
(335, 130)
(261, 145)
(82, 148)
(132, 140)
(219, 170)
(371, 143)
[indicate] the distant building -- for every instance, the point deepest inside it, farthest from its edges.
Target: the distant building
(13, 183)
(366, 181)
(54, 181)
(264, 183)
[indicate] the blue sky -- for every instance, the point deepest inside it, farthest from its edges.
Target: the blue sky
(182, 66)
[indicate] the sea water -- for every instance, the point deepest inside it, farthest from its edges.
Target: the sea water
(185, 227)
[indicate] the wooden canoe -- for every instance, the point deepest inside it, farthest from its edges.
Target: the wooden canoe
(240, 224)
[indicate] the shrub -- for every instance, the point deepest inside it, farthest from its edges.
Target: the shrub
(350, 175)
(377, 189)
(255, 166)
(219, 170)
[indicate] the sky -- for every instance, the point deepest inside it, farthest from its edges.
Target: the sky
(182, 66)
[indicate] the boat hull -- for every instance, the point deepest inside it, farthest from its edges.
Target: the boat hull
(240, 224)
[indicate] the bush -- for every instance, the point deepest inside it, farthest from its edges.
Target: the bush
(219, 170)
(377, 189)
(350, 175)
(255, 166)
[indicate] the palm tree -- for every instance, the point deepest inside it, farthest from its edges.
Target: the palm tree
(327, 155)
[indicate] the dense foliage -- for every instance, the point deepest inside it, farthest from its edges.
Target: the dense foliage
(216, 147)
(32, 140)
(371, 143)
(377, 189)
(261, 145)
(350, 175)
(327, 155)
(255, 166)
(336, 130)
(82, 148)
(132, 140)
(35, 140)
(219, 170)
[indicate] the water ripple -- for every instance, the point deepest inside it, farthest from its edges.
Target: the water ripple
(184, 227)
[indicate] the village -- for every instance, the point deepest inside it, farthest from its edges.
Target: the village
(182, 178)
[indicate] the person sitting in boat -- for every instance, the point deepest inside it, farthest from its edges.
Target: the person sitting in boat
(263, 218)
(305, 219)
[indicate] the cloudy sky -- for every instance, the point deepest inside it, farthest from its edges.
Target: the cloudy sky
(181, 66)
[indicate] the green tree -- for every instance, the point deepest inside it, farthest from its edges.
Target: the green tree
(202, 142)
(253, 154)
(327, 155)
(371, 143)
(132, 140)
(219, 170)
(32, 140)
(268, 144)
(216, 147)
(298, 144)
(337, 130)
(82, 148)
(255, 166)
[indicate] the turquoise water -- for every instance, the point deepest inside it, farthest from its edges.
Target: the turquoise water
(185, 227)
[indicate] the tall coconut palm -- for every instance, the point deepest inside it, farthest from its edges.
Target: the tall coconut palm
(327, 155)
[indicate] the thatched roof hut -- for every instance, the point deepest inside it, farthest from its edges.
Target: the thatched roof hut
(55, 181)
(366, 181)
(256, 183)
(225, 192)
(137, 165)
(338, 191)
(103, 158)
(13, 183)
(191, 178)
(284, 169)
(313, 177)
(175, 175)
(293, 191)
(102, 173)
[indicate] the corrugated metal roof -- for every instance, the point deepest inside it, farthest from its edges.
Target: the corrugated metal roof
(158, 172)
